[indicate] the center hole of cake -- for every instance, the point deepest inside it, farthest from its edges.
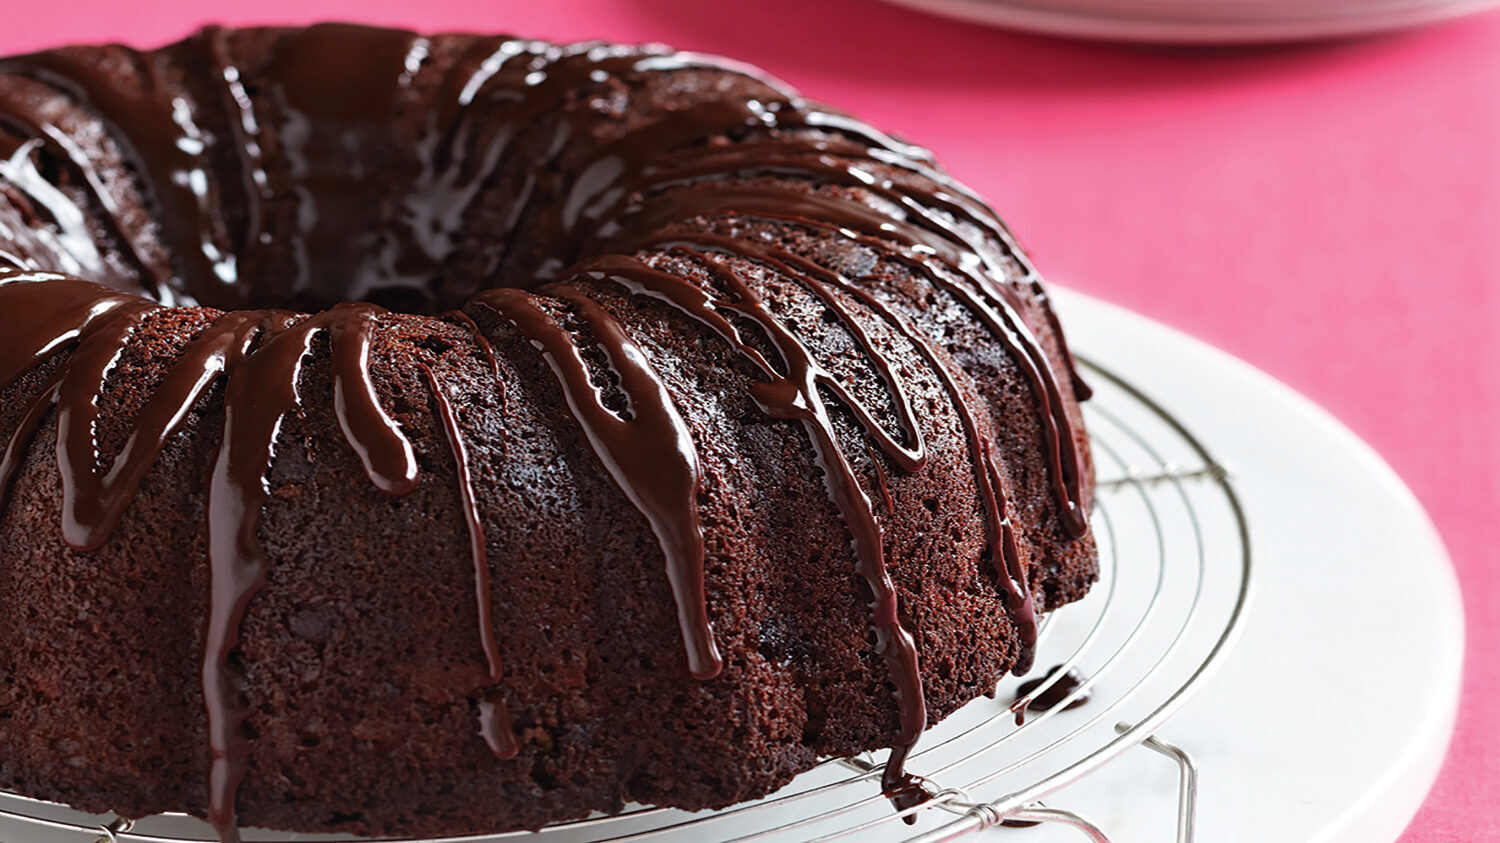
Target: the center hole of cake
(350, 196)
(344, 230)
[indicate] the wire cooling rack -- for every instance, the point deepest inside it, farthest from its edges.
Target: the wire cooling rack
(1174, 579)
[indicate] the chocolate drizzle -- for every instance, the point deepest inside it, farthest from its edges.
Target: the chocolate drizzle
(650, 455)
(1010, 571)
(315, 229)
(494, 719)
(796, 396)
(158, 138)
(67, 244)
(260, 390)
(60, 311)
(910, 247)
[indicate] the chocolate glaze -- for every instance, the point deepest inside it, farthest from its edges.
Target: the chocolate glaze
(839, 214)
(61, 310)
(796, 396)
(340, 88)
(494, 719)
(645, 163)
(650, 455)
(904, 789)
(163, 142)
(68, 244)
(820, 281)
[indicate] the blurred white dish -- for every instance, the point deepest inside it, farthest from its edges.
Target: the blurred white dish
(1202, 21)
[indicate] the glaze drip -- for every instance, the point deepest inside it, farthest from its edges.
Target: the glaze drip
(1010, 570)
(650, 455)
(62, 310)
(93, 502)
(628, 178)
(494, 719)
(796, 396)
(911, 247)
(259, 355)
(67, 244)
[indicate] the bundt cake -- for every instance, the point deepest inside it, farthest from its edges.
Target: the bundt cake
(448, 434)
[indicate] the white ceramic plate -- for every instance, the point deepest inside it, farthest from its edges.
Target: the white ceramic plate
(1332, 715)
(1202, 21)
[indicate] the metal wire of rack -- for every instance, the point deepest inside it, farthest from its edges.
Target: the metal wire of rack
(1175, 570)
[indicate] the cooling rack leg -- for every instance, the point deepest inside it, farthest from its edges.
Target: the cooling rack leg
(1187, 788)
(1187, 784)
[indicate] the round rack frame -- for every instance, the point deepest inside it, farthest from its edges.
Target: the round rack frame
(1175, 573)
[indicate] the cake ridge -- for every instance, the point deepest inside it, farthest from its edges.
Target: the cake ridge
(495, 726)
(651, 455)
(796, 396)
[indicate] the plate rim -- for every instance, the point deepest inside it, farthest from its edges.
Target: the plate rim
(1075, 22)
(1389, 802)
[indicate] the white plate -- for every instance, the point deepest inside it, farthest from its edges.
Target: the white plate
(1202, 21)
(1332, 715)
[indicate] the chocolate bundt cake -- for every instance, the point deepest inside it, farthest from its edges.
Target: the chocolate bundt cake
(446, 434)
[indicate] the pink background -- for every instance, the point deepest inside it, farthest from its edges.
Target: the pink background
(1329, 213)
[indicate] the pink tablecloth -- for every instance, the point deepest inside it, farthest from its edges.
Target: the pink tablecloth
(1329, 213)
